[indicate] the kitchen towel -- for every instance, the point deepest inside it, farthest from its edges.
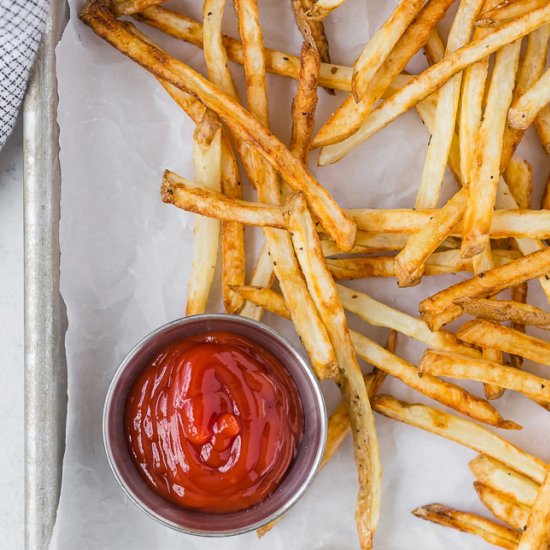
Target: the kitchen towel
(21, 26)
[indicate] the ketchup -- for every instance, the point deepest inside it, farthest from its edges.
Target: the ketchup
(213, 422)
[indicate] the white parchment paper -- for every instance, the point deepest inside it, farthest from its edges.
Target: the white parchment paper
(126, 258)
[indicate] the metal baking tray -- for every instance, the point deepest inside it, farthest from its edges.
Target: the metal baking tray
(45, 319)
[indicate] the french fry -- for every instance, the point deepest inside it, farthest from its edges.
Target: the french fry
(502, 506)
(523, 112)
(433, 78)
(506, 339)
(380, 45)
(498, 476)
(207, 164)
(542, 124)
(444, 363)
(508, 10)
(281, 63)
(536, 533)
(492, 532)
(368, 242)
(461, 431)
(241, 122)
(434, 48)
(485, 169)
(440, 309)
(530, 71)
(323, 291)
(447, 394)
(501, 311)
(519, 177)
(127, 7)
(350, 114)
(447, 106)
(410, 262)
(321, 8)
(519, 295)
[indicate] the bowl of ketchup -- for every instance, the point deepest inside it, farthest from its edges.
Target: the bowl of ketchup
(214, 425)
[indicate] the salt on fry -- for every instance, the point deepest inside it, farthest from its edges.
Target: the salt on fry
(440, 308)
(523, 112)
(444, 363)
(380, 45)
(461, 431)
(536, 533)
(432, 78)
(492, 532)
(323, 291)
(368, 242)
(486, 334)
(485, 168)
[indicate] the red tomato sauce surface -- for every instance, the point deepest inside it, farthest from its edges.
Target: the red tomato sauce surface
(213, 423)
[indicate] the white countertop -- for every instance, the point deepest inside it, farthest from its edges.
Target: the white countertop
(11, 342)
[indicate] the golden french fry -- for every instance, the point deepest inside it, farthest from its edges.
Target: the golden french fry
(485, 168)
(321, 8)
(323, 291)
(127, 7)
(241, 122)
(519, 177)
(490, 335)
(536, 533)
(380, 45)
(545, 202)
(445, 363)
(440, 309)
(523, 112)
(439, 263)
(447, 106)
(508, 10)
(519, 295)
(531, 69)
(368, 242)
(501, 311)
(498, 476)
(350, 114)
(207, 164)
(461, 431)
(473, 524)
(542, 124)
(503, 506)
(434, 48)
(184, 28)
(433, 78)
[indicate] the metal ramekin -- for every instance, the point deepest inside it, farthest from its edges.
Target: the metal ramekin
(301, 472)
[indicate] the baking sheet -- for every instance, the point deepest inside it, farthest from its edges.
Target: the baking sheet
(125, 260)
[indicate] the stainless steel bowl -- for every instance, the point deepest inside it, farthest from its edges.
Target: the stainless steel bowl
(301, 472)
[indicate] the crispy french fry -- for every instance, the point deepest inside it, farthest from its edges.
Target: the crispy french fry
(127, 7)
(367, 243)
(536, 533)
(241, 122)
(443, 363)
(519, 295)
(184, 28)
(431, 79)
(508, 10)
(207, 164)
(439, 263)
(461, 431)
(506, 339)
(523, 112)
(501, 311)
(519, 177)
(485, 169)
(498, 476)
(323, 291)
(542, 124)
(440, 308)
(380, 45)
(503, 506)
(545, 202)
(473, 524)
(305, 104)
(434, 48)
(530, 71)
(447, 106)
(350, 114)
(410, 262)
(321, 8)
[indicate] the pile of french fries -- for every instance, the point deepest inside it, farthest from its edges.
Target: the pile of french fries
(485, 86)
